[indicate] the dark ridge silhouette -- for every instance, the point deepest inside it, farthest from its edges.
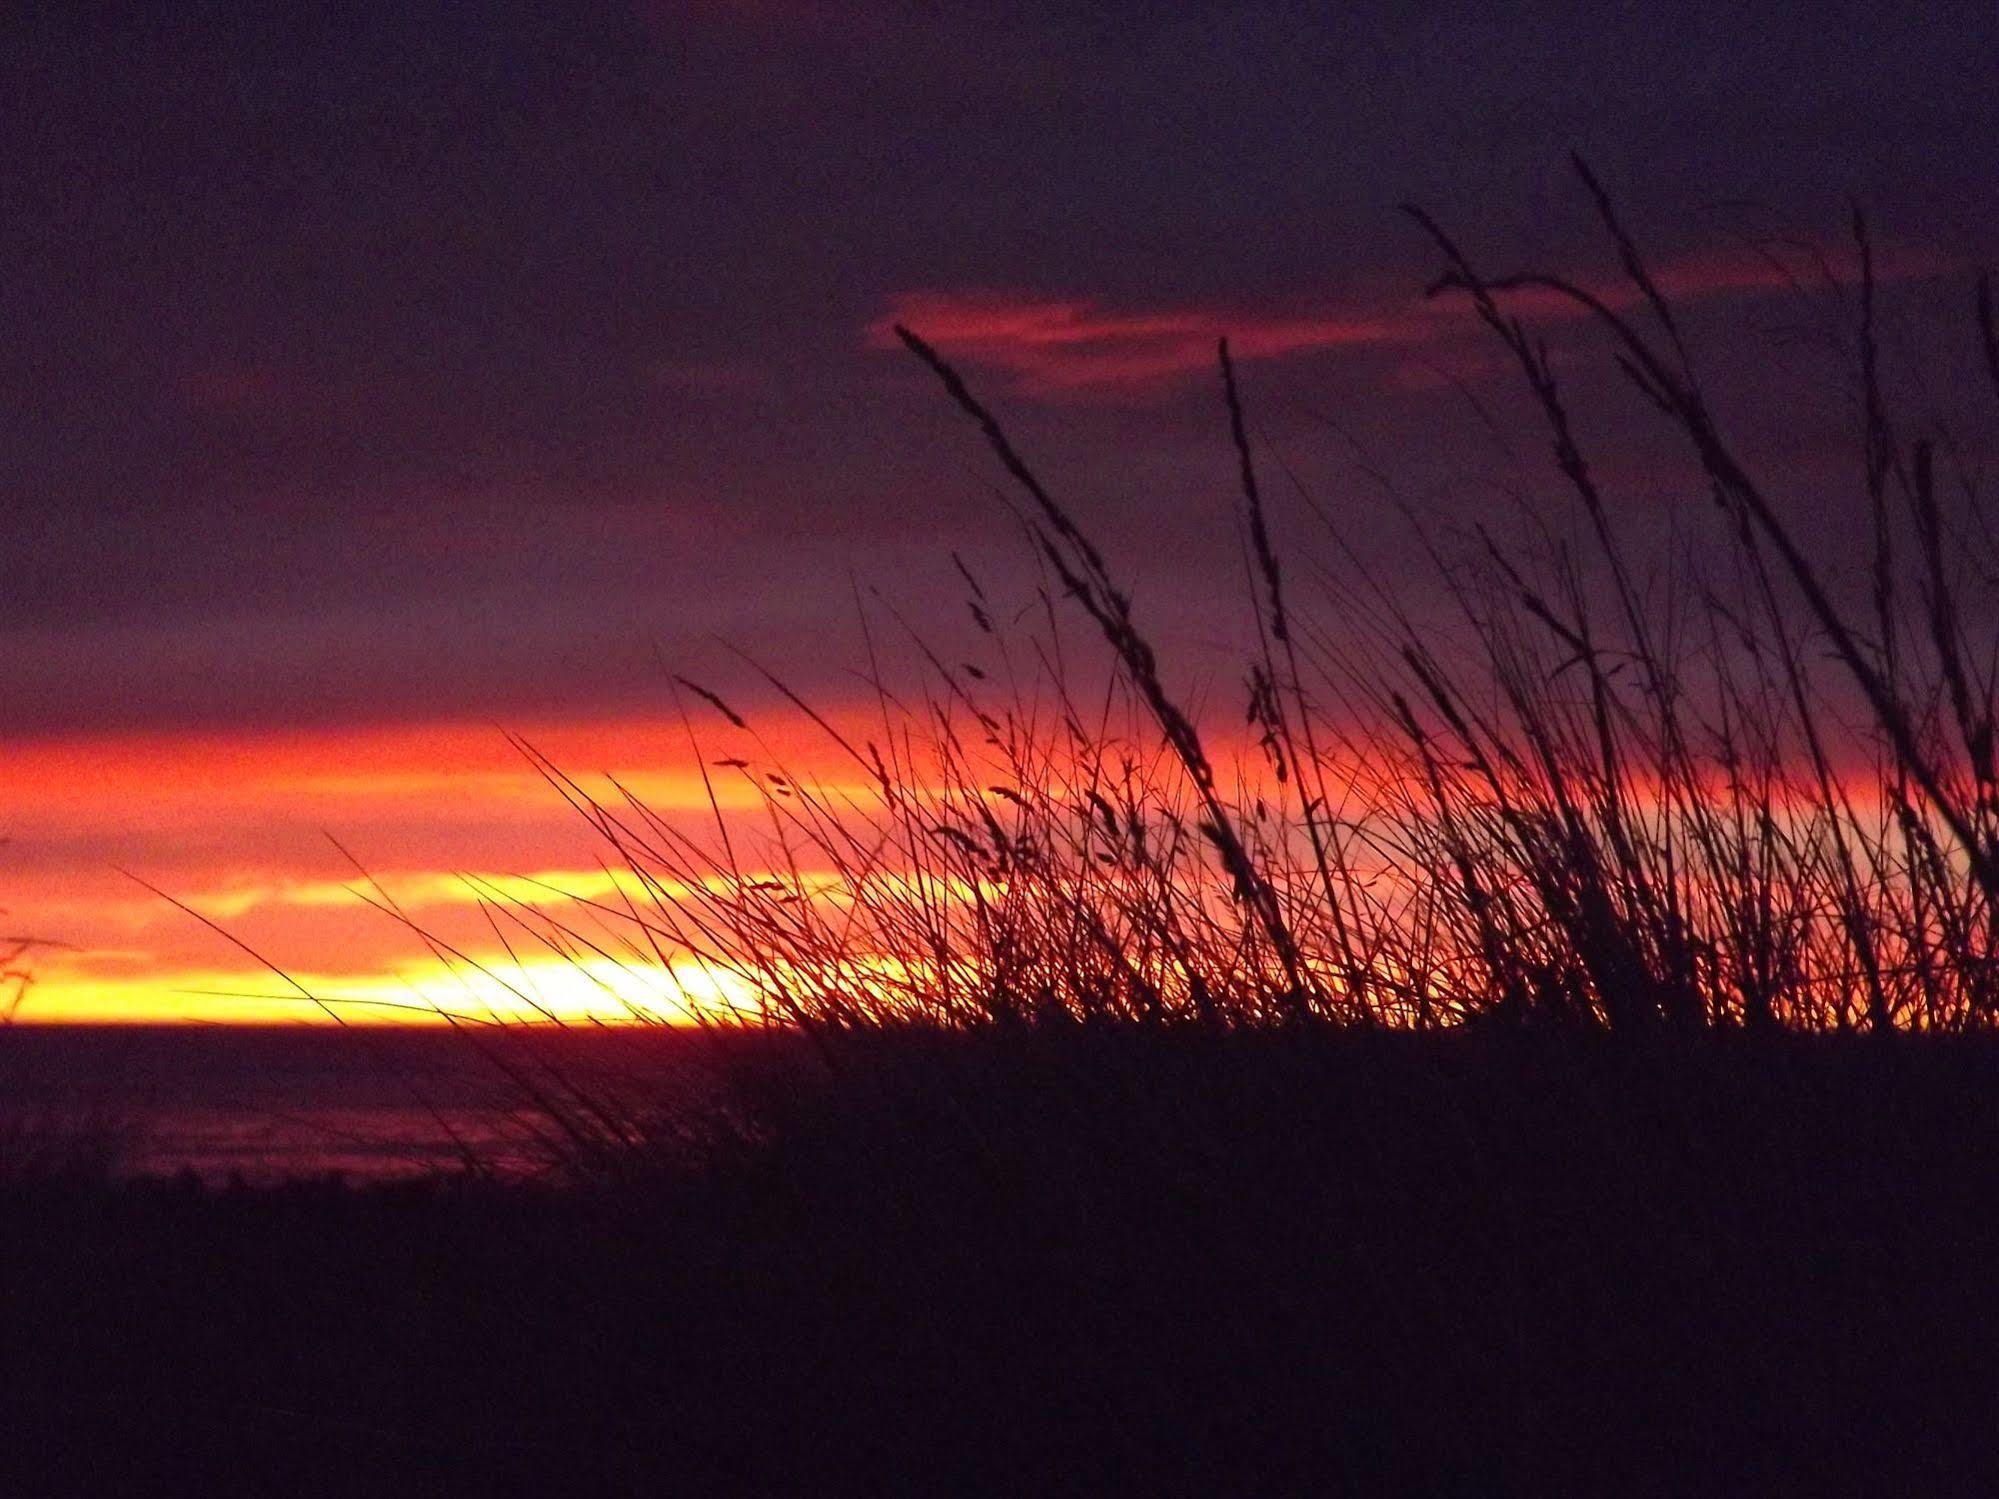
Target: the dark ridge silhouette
(1108, 1262)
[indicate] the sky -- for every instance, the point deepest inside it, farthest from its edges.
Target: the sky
(381, 380)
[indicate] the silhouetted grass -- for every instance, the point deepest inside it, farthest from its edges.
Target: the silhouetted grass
(1700, 795)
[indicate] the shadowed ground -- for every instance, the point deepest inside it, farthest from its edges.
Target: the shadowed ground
(1094, 1264)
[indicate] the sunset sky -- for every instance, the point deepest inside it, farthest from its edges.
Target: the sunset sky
(383, 380)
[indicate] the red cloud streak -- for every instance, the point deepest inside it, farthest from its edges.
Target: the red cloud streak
(1059, 346)
(1074, 347)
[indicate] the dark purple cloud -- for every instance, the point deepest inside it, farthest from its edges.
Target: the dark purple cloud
(402, 360)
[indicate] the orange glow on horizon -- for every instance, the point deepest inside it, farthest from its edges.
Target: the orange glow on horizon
(237, 825)
(451, 819)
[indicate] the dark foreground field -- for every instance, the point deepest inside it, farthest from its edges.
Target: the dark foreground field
(1093, 1264)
